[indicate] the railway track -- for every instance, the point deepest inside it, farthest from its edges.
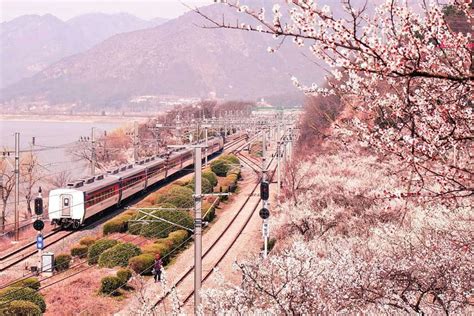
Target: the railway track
(216, 241)
(27, 251)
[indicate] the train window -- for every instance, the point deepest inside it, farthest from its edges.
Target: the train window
(66, 202)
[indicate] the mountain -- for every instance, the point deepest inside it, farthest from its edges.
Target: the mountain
(177, 58)
(30, 43)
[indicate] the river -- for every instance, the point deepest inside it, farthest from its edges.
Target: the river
(53, 140)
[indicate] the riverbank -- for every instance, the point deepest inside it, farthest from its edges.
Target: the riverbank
(80, 118)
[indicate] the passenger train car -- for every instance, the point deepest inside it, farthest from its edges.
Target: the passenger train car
(71, 206)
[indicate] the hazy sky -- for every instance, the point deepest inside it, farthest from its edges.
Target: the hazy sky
(66, 9)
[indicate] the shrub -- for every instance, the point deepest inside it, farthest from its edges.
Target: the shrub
(163, 249)
(118, 255)
(87, 241)
(142, 264)
(220, 167)
(177, 237)
(79, 251)
(118, 224)
(32, 283)
(98, 248)
(231, 158)
(23, 294)
(62, 262)
(109, 284)
(178, 196)
(206, 186)
(124, 275)
(205, 208)
(161, 229)
(21, 308)
(211, 177)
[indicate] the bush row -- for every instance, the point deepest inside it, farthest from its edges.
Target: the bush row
(118, 224)
(143, 263)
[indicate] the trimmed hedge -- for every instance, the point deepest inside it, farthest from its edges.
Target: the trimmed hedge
(124, 275)
(210, 176)
(79, 251)
(87, 241)
(118, 255)
(181, 197)
(177, 237)
(231, 158)
(109, 284)
(206, 186)
(62, 262)
(21, 308)
(98, 248)
(211, 215)
(220, 167)
(118, 224)
(160, 229)
(142, 264)
(158, 248)
(32, 283)
(24, 294)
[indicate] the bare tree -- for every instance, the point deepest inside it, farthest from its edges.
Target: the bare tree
(60, 179)
(7, 184)
(31, 174)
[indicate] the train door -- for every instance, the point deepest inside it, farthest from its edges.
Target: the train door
(66, 205)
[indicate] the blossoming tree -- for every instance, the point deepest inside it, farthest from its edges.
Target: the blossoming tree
(410, 73)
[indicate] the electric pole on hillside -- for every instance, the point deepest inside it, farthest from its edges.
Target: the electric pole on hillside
(17, 186)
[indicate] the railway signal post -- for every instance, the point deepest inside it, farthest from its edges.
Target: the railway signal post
(38, 225)
(264, 195)
(17, 186)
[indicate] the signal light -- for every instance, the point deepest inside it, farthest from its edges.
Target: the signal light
(38, 225)
(264, 190)
(38, 206)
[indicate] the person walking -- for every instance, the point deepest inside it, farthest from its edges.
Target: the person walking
(157, 268)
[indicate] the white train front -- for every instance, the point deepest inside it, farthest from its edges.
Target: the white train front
(71, 206)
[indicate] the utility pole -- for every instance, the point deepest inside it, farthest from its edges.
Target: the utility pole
(197, 221)
(197, 229)
(17, 185)
(278, 151)
(264, 196)
(206, 127)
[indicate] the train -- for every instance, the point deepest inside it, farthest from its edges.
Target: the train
(71, 206)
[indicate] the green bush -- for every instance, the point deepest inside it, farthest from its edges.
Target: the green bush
(220, 167)
(98, 248)
(118, 255)
(231, 158)
(79, 251)
(32, 283)
(178, 196)
(87, 241)
(118, 224)
(210, 176)
(24, 294)
(206, 186)
(62, 262)
(160, 229)
(158, 248)
(177, 237)
(209, 214)
(109, 284)
(124, 275)
(142, 264)
(21, 308)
